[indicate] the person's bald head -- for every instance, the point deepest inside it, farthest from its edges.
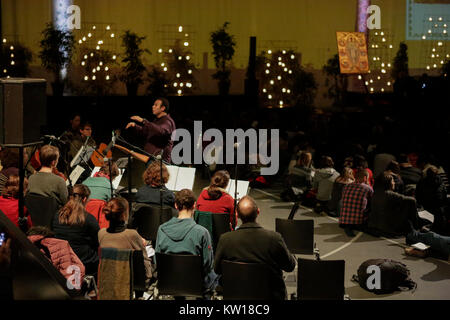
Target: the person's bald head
(247, 209)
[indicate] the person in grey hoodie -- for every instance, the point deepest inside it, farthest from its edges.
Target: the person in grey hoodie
(323, 182)
(183, 235)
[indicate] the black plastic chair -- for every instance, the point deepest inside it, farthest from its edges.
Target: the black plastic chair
(146, 219)
(180, 275)
(42, 209)
(321, 280)
(245, 281)
(297, 234)
(139, 274)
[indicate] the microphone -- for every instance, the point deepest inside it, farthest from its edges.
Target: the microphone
(53, 138)
(236, 145)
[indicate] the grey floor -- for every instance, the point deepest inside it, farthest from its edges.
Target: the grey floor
(431, 275)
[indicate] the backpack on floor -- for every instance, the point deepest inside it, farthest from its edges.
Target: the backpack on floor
(382, 276)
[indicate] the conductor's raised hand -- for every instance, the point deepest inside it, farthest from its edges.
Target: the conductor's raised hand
(137, 119)
(130, 125)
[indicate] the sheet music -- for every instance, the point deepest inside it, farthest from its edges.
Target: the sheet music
(82, 154)
(242, 188)
(180, 178)
(116, 180)
(426, 215)
(75, 175)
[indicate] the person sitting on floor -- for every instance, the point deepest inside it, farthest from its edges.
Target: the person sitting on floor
(215, 198)
(345, 178)
(79, 228)
(409, 174)
(300, 178)
(360, 162)
(9, 200)
(182, 235)
(355, 203)
(393, 169)
(439, 244)
(118, 236)
(150, 193)
(323, 182)
(45, 182)
(251, 243)
(59, 253)
(391, 211)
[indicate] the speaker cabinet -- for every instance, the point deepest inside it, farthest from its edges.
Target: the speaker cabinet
(22, 110)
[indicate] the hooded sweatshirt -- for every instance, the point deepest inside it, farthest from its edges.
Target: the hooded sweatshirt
(323, 182)
(178, 236)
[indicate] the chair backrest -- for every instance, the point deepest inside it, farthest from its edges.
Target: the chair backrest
(146, 219)
(42, 209)
(297, 234)
(320, 280)
(138, 268)
(216, 223)
(180, 275)
(245, 281)
(115, 275)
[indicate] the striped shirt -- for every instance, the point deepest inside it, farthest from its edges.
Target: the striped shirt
(355, 199)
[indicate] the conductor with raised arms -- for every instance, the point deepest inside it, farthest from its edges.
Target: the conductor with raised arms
(157, 133)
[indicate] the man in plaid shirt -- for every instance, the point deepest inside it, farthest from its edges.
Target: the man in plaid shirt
(355, 203)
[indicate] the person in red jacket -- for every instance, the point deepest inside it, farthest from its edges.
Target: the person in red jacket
(60, 253)
(9, 200)
(215, 199)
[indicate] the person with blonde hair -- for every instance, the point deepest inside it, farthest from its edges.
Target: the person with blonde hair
(79, 228)
(150, 192)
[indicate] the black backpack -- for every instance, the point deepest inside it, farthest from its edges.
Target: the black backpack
(393, 276)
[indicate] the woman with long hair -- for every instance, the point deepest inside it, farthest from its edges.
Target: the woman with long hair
(9, 200)
(79, 228)
(215, 198)
(150, 192)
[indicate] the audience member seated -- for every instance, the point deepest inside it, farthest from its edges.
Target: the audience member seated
(393, 169)
(388, 206)
(79, 228)
(300, 178)
(118, 236)
(45, 182)
(438, 244)
(382, 159)
(58, 252)
(182, 235)
(409, 174)
(100, 183)
(346, 177)
(428, 161)
(9, 161)
(431, 194)
(215, 199)
(360, 162)
(251, 243)
(150, 193)
(355, 203)
(323, 182)
(9, 201)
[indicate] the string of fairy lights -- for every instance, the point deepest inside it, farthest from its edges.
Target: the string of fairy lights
(92, 61)
(277, 76)
(437, 30)
(176, 61)
(11, 62)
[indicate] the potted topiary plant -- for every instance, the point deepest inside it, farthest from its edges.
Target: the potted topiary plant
(56, 54)
(134, 66)
(223, 50)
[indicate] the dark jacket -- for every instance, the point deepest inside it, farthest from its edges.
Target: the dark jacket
(251, 243)
(83, 239)
(391, 211)
(410, 175)
(150, 195)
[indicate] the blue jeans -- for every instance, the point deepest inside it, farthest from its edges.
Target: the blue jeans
(437, 242)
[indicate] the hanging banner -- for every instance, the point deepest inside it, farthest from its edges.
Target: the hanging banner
(352, 49)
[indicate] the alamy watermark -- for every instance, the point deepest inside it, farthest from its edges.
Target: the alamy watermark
(234, 144)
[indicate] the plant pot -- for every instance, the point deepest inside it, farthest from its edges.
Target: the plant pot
(132, 89)
(224, 87)
(58, 89)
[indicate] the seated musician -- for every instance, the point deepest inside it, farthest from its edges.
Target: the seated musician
(150, 193)
(85, 138)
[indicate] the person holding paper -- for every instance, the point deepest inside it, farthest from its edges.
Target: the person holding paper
(150, 193)
(215, 198)
(158, 133)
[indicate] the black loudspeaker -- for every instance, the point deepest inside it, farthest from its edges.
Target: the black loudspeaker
(22, 110)
(251, 83)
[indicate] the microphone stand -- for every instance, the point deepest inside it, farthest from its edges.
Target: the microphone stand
(161, 181)
(110, 178)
